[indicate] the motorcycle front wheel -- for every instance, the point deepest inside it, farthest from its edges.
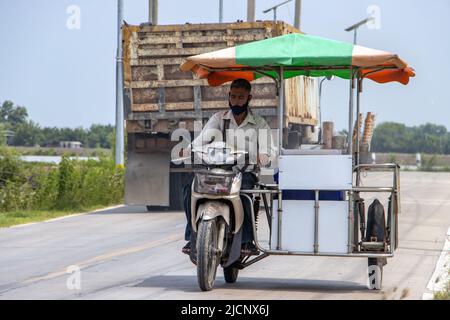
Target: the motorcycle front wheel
(207, 253)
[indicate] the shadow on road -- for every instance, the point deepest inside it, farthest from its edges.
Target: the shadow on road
(131, 209)
(188, 283)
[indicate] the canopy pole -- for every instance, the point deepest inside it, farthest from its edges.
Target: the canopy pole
(358, 110)
(350, 114)
(350, 236)
(280, 110)
(280, 84)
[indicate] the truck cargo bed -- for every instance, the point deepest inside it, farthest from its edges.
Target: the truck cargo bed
(158, 90)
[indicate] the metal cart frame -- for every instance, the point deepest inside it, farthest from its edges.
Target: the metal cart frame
(356, 248)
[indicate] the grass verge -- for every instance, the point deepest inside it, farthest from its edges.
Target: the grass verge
(444, 294)
(12, 218)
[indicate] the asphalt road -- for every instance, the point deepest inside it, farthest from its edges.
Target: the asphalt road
(128, 253)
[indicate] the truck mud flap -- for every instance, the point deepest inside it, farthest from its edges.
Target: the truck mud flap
(147, 179)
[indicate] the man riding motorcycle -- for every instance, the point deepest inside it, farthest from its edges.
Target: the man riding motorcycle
(243, 124)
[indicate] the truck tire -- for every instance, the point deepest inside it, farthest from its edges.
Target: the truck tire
(156, 208)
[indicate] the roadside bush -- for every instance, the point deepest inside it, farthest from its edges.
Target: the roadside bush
(428, 163)
(392, 158)
(88, 183)
(10, 167)
(71, 185)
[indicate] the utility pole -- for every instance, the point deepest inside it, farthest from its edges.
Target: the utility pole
(220, 11)
(298, 14)
(153, 12)
(250, 10)
(119, 89)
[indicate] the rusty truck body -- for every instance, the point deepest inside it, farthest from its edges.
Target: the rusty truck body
(160, 98)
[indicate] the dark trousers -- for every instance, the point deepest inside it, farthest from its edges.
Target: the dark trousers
(249, 180)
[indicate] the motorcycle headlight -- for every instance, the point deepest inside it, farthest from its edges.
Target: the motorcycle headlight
(216, 184)
(218, 155)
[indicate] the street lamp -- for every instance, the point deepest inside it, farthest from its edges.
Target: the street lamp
(356, 26)
(329, 78)
(274, 8)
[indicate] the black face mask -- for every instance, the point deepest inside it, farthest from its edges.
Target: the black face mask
(237, 110)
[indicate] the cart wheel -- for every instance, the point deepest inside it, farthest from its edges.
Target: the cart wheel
(231, 274)
(375, 267)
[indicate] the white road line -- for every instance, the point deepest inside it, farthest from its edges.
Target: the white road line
(64, 217)
(107, 257)
(440, 277)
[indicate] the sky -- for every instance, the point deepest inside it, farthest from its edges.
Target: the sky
(64, 73)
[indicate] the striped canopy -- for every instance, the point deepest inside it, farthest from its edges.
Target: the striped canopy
(300, 55)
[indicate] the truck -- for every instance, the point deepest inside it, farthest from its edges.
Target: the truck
(159, 98)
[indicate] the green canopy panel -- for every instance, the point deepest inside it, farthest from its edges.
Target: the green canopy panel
(307, 55)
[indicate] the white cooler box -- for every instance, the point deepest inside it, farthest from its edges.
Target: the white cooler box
(299, 176)
(297, 228)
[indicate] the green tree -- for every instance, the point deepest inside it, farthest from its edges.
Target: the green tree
(398, 138)
(50, 136)
(2, 134)
(27, 134)
(12, 114)
(99, 136)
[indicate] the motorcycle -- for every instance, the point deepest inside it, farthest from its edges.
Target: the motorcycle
(217, 213)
